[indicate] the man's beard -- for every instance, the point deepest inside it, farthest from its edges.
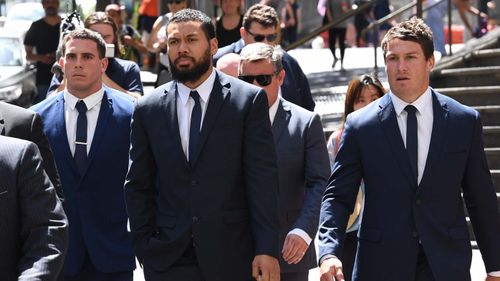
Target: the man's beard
(194, 73)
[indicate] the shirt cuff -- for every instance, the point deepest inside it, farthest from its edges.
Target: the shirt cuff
(302, 234)
(494, 273)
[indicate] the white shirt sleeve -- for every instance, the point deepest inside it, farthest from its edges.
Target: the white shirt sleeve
(302, 234)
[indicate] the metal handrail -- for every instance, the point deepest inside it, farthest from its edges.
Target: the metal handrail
(318, 31)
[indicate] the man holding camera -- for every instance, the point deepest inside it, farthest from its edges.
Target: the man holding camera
(88, 126)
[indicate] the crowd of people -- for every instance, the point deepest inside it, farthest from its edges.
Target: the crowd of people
(223, 172)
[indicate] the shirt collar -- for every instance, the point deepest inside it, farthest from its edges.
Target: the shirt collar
(422, 103)
(90, 101)
(274, 108)
(203, 90)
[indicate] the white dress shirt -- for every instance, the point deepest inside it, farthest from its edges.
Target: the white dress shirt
(272, 114)
(185, 106)
(93, 103)
(425, 118)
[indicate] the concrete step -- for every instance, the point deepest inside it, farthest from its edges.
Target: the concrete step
(495, 176)
(486, 57)
(467, 77)
(493, 157)
(490, 114)
(473, 96)
(491, 136)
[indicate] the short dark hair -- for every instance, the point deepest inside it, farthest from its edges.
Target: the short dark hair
(103, 18)
(187, 15)
(261, 14)
(85, 34)
(414, 30)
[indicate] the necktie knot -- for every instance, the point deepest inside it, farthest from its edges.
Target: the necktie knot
(410, 109)
(81, 107)
(195, 96)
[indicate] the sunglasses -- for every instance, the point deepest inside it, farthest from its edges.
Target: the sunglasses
(263, 80)
(176, 1)
(260, 37)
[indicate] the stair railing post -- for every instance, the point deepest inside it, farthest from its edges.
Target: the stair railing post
(375, 45)
(450, 35)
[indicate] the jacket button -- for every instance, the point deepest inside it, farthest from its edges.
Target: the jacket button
(195, 219)
(414, 234)
(418, 202)
(193, 183)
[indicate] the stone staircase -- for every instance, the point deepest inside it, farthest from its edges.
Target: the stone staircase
(472, 76)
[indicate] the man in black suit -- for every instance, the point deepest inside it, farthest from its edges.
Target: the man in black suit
(26, 124)
(33, 226)
(261, 24)
(201, 190)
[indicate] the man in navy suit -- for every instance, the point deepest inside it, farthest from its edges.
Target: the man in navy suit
(261, 24)
(88, 127)
(202, 186)
(419, 153)
(303, 163)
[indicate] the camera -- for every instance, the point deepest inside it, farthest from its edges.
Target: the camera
(110, 50)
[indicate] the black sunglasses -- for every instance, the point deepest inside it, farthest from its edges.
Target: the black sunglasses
(176, 1)
(263, 80)
(260, 37)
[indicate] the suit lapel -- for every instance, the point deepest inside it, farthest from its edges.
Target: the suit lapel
(61, 136)
(219, 93)
(439, 124)
(387, 117)
(280, 120)
(169, 105)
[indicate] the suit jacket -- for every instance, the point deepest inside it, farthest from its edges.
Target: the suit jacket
(25, 124)
(94, 202)
(304, 169)
(225, 201)
(33, 227)
(398, 215)
(295, 88)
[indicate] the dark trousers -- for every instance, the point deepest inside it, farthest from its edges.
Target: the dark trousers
(349, 254)
(295, 276)
(184, 269)
(90, 273)
(333, 34)
(423, 272)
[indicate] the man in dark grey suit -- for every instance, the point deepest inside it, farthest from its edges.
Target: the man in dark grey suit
(202, 187)
(33, 226)
(26, 124)
(303, 163)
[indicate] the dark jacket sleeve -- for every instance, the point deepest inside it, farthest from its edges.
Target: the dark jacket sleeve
(44, 226)
(49, 165)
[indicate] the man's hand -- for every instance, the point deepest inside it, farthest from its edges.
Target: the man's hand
(330, 268)
(294, 249)
(492, 278)
(265, 268)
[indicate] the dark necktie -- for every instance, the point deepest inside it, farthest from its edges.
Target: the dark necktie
(81, 137)
(412, 139)
(194, 130)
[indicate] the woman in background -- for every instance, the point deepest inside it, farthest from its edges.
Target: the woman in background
(227, 26)
(362, 90)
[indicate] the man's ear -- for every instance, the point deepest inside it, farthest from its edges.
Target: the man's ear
(61, 62)
(281, 77)
(214, 46)
(104, 64)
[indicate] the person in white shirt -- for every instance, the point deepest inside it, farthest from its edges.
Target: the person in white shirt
(303, 164)
(420, 155)
(88, 127)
